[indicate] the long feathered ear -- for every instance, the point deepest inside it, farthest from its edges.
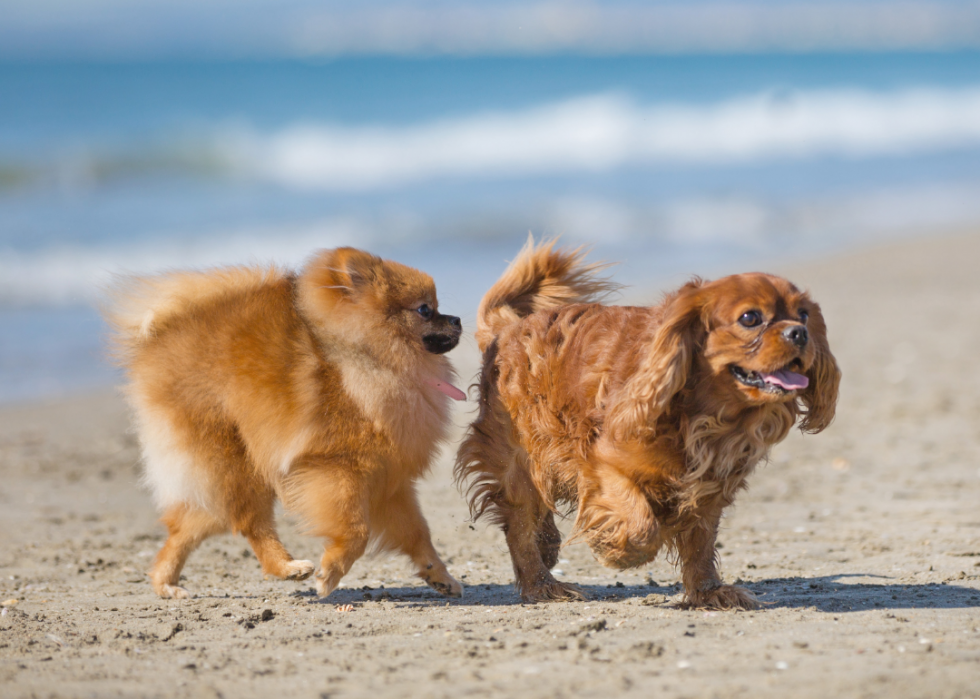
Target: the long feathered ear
(820, 398)
(665, 368)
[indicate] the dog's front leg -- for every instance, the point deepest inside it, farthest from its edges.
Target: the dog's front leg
(404, 528)
(614, 514)
(338, 556)
(702, 584)
(332, 501)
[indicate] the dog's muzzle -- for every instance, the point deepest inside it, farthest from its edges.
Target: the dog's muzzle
(439, 344)
(442, 342)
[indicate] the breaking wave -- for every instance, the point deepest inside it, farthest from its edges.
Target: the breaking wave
(604, 132)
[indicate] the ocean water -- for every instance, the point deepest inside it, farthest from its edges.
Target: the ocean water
(671, 166)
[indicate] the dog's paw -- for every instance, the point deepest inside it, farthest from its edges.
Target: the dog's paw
(552, 591)
(325, 584)
(447, 586)
(625, 552)
(443, 583)
(298, 570)
(173, 592)
(723, 597)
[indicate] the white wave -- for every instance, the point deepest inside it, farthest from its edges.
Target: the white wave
(66, 274)
(603, 132)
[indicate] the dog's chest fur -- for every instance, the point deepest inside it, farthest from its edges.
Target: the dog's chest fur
(411, 416)
(720, 454)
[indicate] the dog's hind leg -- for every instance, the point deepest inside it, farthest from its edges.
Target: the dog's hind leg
(252, 513)
(525, 518)
(404, 528)
(187, 526)
(549, 541)
(495, 472)
(245, 501)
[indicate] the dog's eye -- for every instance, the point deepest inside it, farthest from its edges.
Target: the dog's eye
(750, 319)
(803, 315)
(425, 310)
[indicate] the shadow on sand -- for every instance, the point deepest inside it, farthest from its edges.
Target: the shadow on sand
(832, 593)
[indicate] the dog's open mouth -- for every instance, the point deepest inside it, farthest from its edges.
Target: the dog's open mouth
(781, 381)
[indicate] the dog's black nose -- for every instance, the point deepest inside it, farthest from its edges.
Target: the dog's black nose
(455, 322)
(797, 334)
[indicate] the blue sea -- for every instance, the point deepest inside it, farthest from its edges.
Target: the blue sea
(671, 166)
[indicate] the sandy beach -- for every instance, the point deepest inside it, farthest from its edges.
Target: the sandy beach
(863, 542)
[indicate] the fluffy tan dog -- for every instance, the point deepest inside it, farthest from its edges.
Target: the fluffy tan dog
(647, 420)
(326, 389)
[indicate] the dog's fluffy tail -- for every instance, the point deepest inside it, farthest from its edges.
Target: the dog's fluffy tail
(137, 307)
(541, 277)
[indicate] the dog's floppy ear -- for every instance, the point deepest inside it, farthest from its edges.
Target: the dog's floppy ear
(665, 368)
(820, 397)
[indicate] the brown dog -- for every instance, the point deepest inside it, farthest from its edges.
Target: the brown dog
(648, 420)
(327, 389)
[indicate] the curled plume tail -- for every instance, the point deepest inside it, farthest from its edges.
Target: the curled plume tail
(539, 278)
(135, 308)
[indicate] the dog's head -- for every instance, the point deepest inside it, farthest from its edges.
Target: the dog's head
(745, 340)
(366, 299)
(764, 338)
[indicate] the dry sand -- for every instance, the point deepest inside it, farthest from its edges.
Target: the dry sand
(864, 542)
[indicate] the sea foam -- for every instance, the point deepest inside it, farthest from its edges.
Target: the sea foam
(602, 132)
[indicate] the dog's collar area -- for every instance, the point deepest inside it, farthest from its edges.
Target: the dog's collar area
(781, 381)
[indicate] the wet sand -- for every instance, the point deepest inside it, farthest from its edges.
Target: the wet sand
(863, 541)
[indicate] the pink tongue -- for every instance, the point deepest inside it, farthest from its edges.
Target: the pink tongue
(787, 379)
(447, 388)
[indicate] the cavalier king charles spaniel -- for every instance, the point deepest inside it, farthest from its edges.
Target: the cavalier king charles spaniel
(647, 420)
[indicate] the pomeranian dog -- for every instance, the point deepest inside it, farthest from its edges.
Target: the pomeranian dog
(327, 389)
(648, 420)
